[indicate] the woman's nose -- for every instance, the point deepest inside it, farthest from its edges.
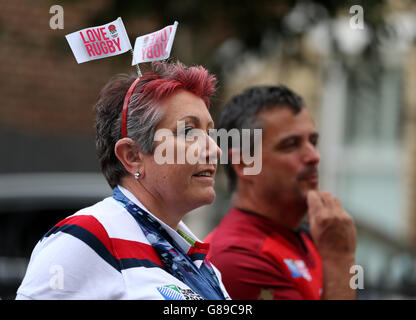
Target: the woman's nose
(212, 151)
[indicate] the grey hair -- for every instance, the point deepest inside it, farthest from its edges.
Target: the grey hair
(141, 125)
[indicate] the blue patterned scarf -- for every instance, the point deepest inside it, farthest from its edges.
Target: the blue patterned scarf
(201, 280)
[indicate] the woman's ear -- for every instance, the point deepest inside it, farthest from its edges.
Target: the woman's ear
(129, 155)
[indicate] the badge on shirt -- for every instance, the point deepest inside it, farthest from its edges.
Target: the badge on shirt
(298, 269)
(173, 292)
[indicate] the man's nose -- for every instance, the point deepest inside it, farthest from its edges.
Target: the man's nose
(311, 154)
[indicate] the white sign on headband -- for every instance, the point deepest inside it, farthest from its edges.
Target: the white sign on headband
(154, 46)
(99, 42)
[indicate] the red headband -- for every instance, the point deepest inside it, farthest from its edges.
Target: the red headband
(126, 107)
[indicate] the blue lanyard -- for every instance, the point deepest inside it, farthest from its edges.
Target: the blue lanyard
(201, 280)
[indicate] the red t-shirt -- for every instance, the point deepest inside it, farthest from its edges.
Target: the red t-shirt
(260, 259)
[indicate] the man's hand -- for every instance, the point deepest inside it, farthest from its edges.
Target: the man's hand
(334, 234)
(331, 227)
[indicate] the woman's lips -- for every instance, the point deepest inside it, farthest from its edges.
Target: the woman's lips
(206, 175)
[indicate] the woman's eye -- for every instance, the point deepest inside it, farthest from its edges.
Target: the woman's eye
(188, 130)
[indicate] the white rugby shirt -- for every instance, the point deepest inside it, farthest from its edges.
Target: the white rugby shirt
(100, 252)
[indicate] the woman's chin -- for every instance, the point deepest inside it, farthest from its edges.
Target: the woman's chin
(211, 198)
(205, 198)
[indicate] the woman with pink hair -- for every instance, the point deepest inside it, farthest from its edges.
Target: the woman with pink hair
(134, 244)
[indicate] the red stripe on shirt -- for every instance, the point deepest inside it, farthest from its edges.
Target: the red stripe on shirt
(119, 248)
(126, 249)
(92, 225)
(199, 247)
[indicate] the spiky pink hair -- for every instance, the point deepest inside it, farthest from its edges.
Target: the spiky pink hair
(163, 81)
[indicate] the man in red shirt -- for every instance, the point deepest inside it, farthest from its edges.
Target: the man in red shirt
(260, 247)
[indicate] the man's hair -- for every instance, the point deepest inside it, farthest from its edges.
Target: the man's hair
(144, 115)
(242, 111)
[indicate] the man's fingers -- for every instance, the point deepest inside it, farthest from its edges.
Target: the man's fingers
(333, 204)
(314, 202)
(327, 198)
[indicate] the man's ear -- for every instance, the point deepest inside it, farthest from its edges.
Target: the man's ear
(129, 155)
(236, 159)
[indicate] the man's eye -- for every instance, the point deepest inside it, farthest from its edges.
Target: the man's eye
(314, 141)
(288, 144)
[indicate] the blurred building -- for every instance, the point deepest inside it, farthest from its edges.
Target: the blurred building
(47, 98)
